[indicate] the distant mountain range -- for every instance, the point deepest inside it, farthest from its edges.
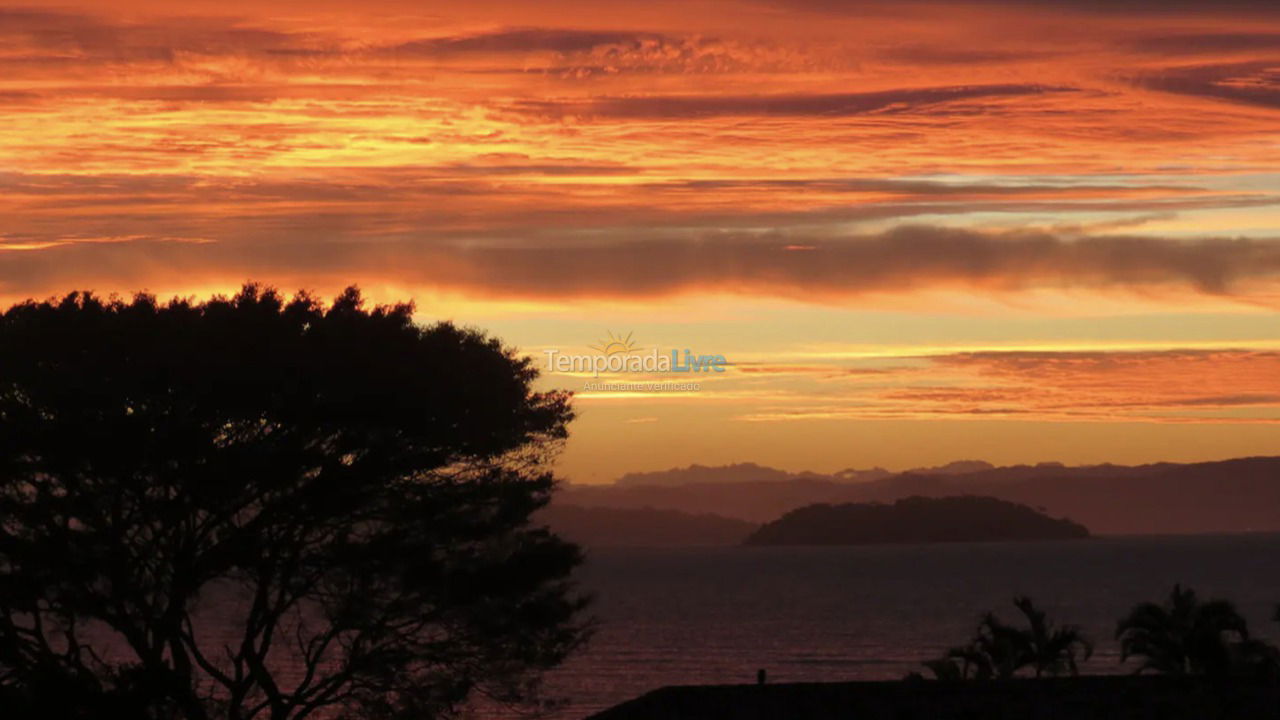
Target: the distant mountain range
(1238, 495)
(751, 472)
(965, 518)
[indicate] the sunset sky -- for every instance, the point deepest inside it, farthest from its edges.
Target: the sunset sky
(1004, 230)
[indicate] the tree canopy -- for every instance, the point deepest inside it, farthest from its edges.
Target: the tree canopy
(266, 507)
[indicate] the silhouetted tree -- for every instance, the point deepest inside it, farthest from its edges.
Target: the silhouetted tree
(1052, 650)
(1000, 650)
(253, 507)
(1183, 636)
(1260, 659)
(946, 667)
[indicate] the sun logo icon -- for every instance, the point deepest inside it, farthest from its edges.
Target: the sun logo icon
(616, 345)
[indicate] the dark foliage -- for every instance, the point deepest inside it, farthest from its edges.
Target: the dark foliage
(1187, 636)
(1000, 651)
(259, 507)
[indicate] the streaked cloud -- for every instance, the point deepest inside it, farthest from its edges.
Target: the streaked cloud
(1255, 83)
(1168, 386)
(904, 100)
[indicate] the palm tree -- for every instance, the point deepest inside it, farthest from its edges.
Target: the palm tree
(1256, 659)
(946, 668)
(1004, 648)
(1183, 636)
(1052, 650)
(1000, 650)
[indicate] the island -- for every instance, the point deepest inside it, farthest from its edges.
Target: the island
(967, 518)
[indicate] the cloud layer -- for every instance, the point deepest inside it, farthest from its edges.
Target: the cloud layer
(816, 269)
(513, 151)
(1167, 386)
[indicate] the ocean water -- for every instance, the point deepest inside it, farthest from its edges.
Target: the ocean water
(716, 615)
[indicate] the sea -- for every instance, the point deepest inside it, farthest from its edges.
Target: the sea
(681, 616)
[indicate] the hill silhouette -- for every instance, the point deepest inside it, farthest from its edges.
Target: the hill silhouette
(1159, 498)
(914, 520)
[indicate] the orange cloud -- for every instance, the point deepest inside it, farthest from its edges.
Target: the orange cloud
(1207, 386)
(507, 150)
